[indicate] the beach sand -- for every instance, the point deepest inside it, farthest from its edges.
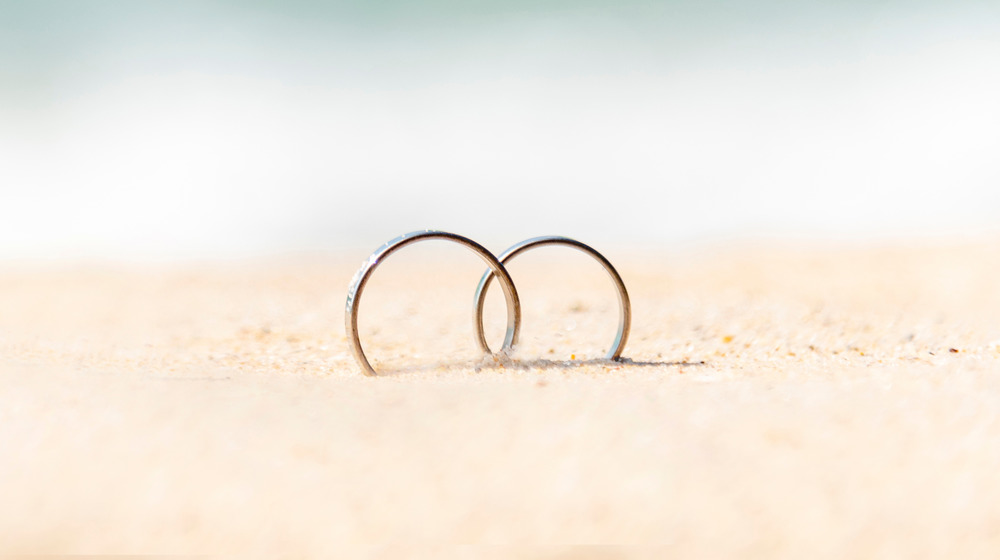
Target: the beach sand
(776, 401)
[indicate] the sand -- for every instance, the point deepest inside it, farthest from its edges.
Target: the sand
(832, 402)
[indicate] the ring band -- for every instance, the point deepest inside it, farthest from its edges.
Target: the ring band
(368, 267)
(624, 306)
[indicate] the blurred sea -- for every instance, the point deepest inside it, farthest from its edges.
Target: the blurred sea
(148, 130)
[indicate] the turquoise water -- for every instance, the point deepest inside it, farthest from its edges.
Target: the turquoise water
(232, 128)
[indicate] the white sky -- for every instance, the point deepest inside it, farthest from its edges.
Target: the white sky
(152, 151)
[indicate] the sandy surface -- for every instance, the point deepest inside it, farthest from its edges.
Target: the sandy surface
(780, 402)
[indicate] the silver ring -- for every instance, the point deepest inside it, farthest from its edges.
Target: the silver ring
(362, 276)
(624, 306)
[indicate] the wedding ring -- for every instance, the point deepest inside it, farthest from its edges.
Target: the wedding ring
(368, 267)
(624, 306)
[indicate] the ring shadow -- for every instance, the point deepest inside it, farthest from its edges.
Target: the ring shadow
(490, 363)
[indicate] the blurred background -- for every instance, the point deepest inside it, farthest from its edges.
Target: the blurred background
(182, 129)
